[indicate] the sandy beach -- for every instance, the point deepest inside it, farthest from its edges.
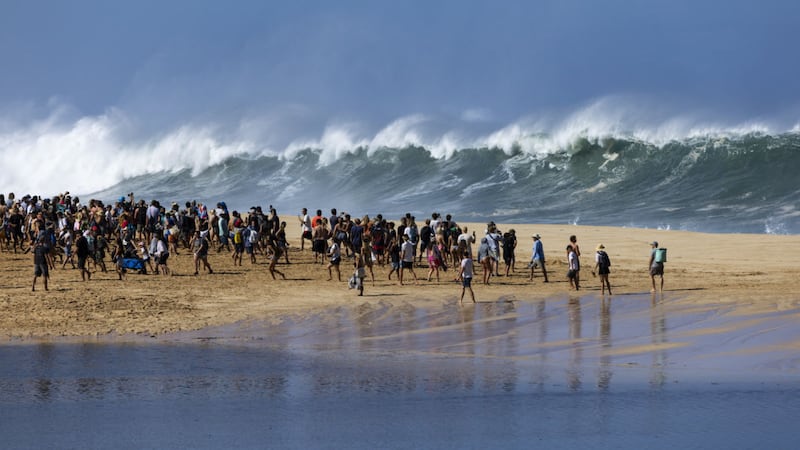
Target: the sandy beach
(752, 273)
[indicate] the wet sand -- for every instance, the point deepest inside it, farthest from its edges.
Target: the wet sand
(747, 274)
(236, 358)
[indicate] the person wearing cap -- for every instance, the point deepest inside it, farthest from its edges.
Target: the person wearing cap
(656, 268)
(602, 266)
(537, 257)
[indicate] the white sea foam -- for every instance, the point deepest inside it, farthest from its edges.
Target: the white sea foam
(86, 154)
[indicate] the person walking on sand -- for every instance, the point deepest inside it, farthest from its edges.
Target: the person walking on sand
(394, 258)
(436, 258)
(602, 267)
(574, 268)
(82, 252)
(656, 267)
(335, 256)
(360, 272)
(407, 259)
(465, 275)
(275, 252)
(537, 257)
(40, 266)
(200, 247)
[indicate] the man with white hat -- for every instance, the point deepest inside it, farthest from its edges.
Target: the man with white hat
(537, 257)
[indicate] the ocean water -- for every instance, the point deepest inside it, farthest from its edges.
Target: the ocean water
(574, 372)
(601, 165)
(738, 183)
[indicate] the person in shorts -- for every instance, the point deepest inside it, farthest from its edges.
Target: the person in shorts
(656, 268)
(335, 257)
(602, 267)
(465, 274)
(407, 259)
(200, 247)
(40, 266)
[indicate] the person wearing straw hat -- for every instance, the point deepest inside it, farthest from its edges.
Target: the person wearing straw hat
(602, 267)
(537, 257)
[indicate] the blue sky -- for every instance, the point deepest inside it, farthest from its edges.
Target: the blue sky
(165, 63)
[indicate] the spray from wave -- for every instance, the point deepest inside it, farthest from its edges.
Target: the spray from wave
(603, 164)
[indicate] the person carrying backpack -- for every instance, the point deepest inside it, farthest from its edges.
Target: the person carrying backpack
(656, 264)
(602, 267)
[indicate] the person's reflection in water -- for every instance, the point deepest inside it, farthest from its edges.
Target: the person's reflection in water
(658, 332)
(540, 371)
(575, 324)
(467, 316)
(45, 365)
(605, 373)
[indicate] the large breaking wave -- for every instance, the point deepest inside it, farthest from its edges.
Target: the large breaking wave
(581, 169)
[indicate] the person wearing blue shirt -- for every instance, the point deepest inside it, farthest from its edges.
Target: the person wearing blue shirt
(537, 257)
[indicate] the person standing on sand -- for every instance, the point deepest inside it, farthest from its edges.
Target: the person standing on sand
(574, 268)
(40, 266)
(573, 241)
(407, 259)
(335, 255)
(602, 266)
(360, 272)
(425, 234)
(319, 244)
(82, 251)
(200, 246)
(393, 250)
(305, 229)
(485, 260)
(509, 245)
(465, 275)
(656, 268)
(537, 257)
